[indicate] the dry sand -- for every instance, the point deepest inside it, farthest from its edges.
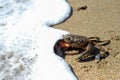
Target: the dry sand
(102, 19)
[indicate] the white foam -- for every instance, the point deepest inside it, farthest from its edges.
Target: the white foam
(27, 40)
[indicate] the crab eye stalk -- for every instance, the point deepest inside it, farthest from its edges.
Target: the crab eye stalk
(82, 41)
(68, 38)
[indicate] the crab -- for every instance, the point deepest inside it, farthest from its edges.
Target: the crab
(87, 44)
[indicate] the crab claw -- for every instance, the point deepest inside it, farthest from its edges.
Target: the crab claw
(64, 44)
(60, 46)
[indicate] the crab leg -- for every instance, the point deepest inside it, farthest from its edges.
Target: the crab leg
(105, 42)
(94, 38)
(86, 53)
(103, 53)
(97, 40)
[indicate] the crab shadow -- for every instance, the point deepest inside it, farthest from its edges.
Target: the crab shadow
(95, 52)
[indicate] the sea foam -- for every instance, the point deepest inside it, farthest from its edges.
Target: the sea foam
(27, 40)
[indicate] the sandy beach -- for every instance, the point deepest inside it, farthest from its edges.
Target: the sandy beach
(101, 18)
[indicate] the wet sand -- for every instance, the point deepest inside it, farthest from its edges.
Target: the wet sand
(102, 19)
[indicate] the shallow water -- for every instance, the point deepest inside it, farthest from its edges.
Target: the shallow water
(27, 40)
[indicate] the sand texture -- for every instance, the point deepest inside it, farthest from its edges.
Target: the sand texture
(102, 19)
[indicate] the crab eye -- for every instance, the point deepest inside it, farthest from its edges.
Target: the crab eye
(82, 41)
(68, 38)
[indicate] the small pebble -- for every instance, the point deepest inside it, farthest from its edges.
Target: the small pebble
(82, 8)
